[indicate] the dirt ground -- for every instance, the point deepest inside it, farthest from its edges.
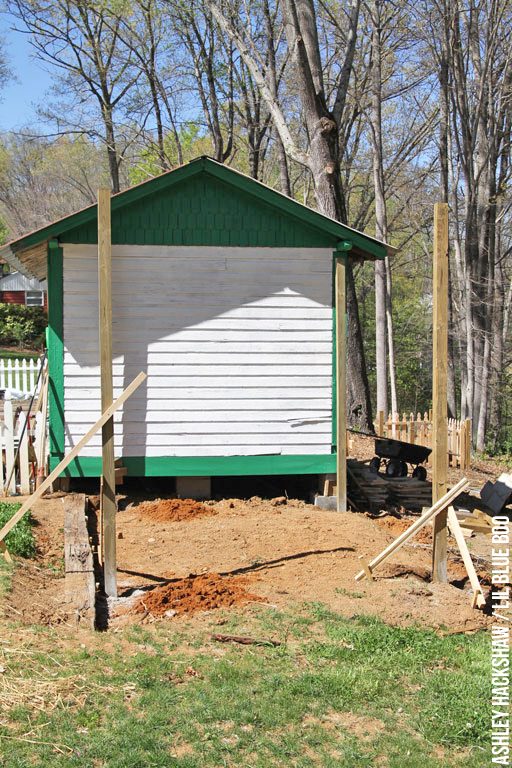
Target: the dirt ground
(178, 558)
(252, 551)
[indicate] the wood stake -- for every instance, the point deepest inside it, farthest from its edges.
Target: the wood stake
(439, 389)
(366, 568)
(5, 552)
(478, 597)
(108, 493)
(418, 524)
(130, 389)
(341, 386)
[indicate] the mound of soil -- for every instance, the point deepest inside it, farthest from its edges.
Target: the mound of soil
(174, 510)
(395, 526)
(195, 593)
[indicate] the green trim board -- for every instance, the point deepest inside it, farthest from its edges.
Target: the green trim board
(55, 337)
(317, 230)
(203, 466)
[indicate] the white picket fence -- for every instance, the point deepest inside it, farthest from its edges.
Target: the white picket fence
(20, 374)
(23, 438)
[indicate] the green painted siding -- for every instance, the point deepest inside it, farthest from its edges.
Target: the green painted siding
(55, 336)
(213, 466)
(203, 210)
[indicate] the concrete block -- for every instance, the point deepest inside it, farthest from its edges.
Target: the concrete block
(194, 487)
(327, 502)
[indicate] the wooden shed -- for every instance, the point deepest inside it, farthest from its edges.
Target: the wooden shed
(222, 292)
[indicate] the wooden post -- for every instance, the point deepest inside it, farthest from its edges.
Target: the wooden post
(467, 429)
(108, 493)
(439, 389)
(341, 384)
(23, 427)
(420, 522)
(10, 471)
(380, 424)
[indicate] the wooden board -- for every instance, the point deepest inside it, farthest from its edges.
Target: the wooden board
(80, 583)
(466, 557)
(418, 524)
(108, 488)
(71, 455)
(439, 388)
(341, 386)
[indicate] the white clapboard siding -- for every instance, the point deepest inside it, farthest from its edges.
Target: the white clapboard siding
(233, 387)
(233, 449)
(186, 410)
(189, 372)
(236, 342)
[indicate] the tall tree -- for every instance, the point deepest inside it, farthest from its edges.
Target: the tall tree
(322, 154)
(474, 52)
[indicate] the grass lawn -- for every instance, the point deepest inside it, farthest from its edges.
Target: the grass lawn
(337, 692)
(17, 354)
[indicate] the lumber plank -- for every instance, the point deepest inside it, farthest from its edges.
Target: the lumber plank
(108, 492)
(341, 386)
(456, 531)
(439, 389)
(418, 524)
(130, 389)
(80, 585)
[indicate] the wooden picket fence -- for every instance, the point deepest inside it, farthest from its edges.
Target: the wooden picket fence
(24, 441)
(20, 374)
(418, 430)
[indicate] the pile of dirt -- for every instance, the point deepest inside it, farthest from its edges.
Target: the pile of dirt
(195, 593)
(395, 526)
(174, 510)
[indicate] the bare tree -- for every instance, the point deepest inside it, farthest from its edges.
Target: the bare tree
(321, 156)
(477, 74)
(82, 42)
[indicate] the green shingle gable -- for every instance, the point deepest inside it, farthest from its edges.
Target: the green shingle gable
(203, 210)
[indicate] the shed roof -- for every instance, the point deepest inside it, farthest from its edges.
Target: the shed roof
(28, 253)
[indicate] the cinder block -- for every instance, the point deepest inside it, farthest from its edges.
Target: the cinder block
(194, 487)
(327, 502)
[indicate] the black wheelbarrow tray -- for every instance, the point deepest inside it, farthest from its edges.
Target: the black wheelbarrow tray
(397, 455)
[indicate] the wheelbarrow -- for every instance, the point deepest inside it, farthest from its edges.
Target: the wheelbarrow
(395, 455)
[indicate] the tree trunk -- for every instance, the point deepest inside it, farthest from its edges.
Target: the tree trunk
(380, 337)
(113, 160)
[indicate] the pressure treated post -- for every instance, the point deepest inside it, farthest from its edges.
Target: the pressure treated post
(341, 377)
(439, 389)
(108, 492)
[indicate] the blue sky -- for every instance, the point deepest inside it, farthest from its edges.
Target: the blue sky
(19, 98)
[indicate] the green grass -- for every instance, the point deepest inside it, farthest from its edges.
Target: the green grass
(20, 541)
(5, 576)
(337, 692)
(16, 354)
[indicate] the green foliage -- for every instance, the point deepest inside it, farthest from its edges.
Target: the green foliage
(20, 541)
(192, 144)
(412, 329)
(351, 692)
(22, 325)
